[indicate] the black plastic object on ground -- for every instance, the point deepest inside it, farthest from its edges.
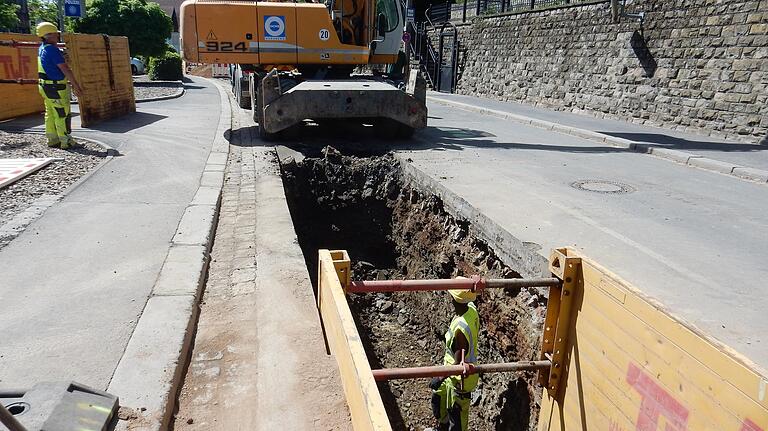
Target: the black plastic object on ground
(62, 406)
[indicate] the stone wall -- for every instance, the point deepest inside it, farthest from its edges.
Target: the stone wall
(697, 65)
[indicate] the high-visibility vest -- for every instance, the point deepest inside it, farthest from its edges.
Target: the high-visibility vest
(469, 325)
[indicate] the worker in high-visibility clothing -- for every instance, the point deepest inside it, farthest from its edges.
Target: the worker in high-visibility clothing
(53, 73)
(451, 396)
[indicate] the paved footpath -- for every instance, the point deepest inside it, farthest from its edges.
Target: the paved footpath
(259, 359)
(727, 151)
(692, 238)
(76, 281)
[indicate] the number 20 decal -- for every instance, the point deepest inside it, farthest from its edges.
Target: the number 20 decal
(324, 34)
(225, 46)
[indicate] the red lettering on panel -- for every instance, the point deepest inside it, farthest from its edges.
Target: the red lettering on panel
(748, 425)
(656, 403)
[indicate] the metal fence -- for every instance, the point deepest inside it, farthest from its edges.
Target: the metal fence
(461, 10)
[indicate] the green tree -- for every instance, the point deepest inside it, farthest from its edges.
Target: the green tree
(42, 10)
(8, 18)
(144, 23)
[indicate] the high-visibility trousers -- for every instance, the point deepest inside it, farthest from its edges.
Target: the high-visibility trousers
(58, 113)
(449, 405)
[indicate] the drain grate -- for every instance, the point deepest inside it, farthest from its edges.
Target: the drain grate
(603, 186)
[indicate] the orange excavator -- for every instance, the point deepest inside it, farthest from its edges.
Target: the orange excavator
(298, 61)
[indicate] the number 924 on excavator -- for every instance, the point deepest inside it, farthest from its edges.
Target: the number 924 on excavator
(298, 61)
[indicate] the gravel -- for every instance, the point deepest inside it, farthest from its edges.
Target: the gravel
(143, 88)
(48, 184)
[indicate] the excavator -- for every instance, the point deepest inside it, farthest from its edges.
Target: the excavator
(300, 61)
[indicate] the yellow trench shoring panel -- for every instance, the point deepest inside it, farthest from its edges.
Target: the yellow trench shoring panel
(632, 366)
(363, 398)
(19, 62)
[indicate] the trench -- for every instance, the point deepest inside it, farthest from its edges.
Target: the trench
(392, 230)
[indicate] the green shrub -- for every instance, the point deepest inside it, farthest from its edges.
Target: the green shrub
(166, 68)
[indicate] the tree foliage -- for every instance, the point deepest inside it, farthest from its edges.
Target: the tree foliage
(8, 18)
(144, 23)
(42, 10)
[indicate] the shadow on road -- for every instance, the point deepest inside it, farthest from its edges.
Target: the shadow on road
(357, 138)
(128, 122)
(673, 142)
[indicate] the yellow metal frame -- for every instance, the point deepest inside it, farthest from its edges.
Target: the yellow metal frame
(558, 320)
(363, 397)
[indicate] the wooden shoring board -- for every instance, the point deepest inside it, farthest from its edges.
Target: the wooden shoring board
(633, 365)
(12, 170)
(362, 394)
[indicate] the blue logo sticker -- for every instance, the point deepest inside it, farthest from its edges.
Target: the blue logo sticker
(274, 27)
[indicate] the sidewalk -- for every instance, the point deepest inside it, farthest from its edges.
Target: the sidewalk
(740, 159)
(76, 282)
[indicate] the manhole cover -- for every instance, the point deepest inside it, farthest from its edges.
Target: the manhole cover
(602, 186)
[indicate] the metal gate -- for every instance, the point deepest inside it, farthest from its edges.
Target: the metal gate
(448, 50)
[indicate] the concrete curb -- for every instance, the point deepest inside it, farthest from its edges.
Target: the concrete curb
(168, 97)
(693, 160)
(149, 375)
(527, 258)
(150, 99)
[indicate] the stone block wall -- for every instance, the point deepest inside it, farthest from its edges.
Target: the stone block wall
(696, 65)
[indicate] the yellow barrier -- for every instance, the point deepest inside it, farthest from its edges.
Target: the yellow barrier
(102, 66)
(19, 63)
(634, 366)
(363, 398)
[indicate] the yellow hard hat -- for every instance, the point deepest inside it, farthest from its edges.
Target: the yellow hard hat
(462, 296)
(46, 27)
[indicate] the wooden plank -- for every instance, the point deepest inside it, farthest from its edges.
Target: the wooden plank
(633, 365)
(363, 398)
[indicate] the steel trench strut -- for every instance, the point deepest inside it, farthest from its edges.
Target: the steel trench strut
(10, 421)
(385, 374)
(475, 284)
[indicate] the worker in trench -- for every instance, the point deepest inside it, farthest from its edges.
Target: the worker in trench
(451, 396)
(53, 74)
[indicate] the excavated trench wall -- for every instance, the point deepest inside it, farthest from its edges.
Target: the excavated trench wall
(393, 230)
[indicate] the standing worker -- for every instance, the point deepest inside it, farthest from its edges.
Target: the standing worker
(53, 73)
(451, 396)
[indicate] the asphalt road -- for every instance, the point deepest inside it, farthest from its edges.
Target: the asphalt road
(75, 282)
(692, 239)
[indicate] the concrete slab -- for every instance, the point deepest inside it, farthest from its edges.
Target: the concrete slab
(751, 174)
(217, 158)
(677, 156)
(183, 271)
(214, 168)
(206, 196)
(712, 165)
(287, 155)
(147, 376)
(196, 225)
(212, 178)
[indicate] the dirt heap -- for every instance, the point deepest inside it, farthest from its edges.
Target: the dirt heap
(392, 230)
